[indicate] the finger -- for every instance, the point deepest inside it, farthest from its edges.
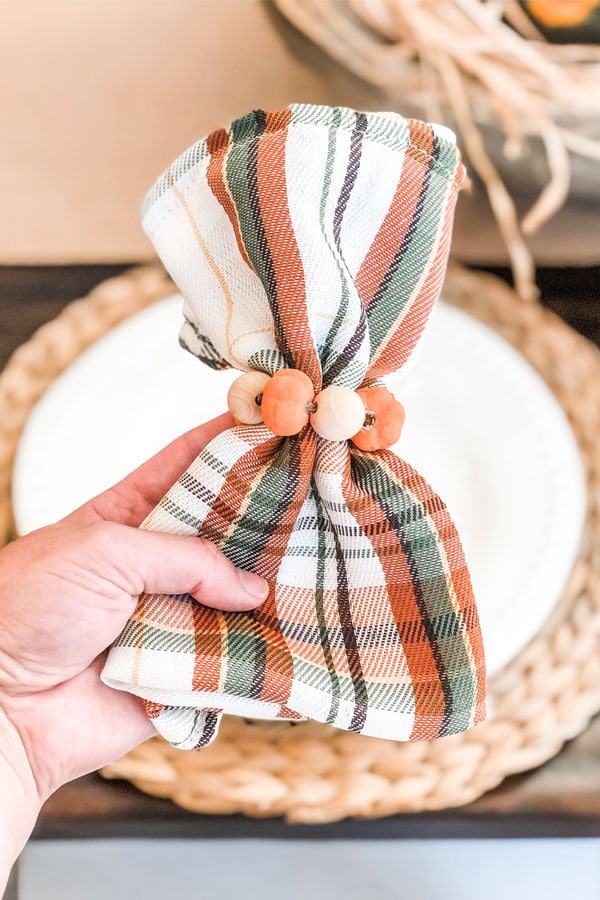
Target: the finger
(151, 562)
(130, 501)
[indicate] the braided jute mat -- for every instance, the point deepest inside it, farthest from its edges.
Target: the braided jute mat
(313, 773)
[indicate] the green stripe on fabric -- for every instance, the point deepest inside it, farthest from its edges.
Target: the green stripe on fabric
(242, 650)
(237, 163)
(186, 518)
(339, 367)
(416, 533)
(389, 131)
(242, 178)
(193, 156)
(245, 545)
(269, 361)
(266, 505)
(137, 634)
(203, 348)
(215, 462)
(384, 695)
(413, 259)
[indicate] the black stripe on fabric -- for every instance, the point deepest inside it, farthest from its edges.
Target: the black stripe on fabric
(349, 351)
(209, 361)
(399, 256)
(361, 697)
(260, 530)
(210, 728)
(197, 488)
(355, 342)
(385, 635)
(211, 356)
(261, 237)
(426, 621)
(169, 506)
(361, 466)
(260, 117)
(208, 732)
(350, 177)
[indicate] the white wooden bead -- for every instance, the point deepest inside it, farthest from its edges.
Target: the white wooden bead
(241, 397)
(340, 413)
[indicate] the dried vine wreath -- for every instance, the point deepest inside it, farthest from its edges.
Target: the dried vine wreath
(477, 60)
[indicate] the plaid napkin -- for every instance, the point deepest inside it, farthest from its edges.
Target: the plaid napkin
(317, 239)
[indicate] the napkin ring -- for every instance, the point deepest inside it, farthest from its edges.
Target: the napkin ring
(286, 402)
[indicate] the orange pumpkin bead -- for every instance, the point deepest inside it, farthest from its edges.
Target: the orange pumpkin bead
(561, 13)
(284, 400)
(388, 419)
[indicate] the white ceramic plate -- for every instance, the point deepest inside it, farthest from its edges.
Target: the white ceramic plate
(482, 427)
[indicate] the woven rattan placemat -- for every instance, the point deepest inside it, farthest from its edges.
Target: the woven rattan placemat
(314, 773)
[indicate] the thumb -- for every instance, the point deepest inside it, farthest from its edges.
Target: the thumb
(152, 562)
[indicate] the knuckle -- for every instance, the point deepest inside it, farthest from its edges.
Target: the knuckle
(211, 551)
(104, 539)
(104, 533)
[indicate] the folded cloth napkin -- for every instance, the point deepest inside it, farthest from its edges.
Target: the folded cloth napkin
(311, 239)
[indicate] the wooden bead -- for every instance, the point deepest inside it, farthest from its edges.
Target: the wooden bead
(241, 397)
(388, 419)
(340, 413)
(284, 401)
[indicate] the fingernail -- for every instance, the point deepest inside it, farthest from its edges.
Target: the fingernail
(253, 584)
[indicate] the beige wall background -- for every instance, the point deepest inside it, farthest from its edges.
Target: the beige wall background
(99, 96)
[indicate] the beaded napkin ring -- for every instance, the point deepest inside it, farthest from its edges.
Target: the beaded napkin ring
(370, 417)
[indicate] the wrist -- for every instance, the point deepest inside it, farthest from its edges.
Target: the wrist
(20, 799)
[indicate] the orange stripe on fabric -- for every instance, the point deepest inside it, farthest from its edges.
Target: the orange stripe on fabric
(233, 494)
(152, 710)
(391, 235)
(277, 120)
(287, 263)
(421, 137)
(394, 227)
(208, 658)
(446, 529)
(278, 679)
(403, 341)
(427, 690)
(285, 713)
(222, 516)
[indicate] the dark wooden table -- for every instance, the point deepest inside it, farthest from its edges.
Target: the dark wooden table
(560, 798)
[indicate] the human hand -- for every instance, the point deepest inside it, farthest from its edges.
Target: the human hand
(66, 592)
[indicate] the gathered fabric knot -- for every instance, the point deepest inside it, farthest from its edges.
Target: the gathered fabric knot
(309, 245)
